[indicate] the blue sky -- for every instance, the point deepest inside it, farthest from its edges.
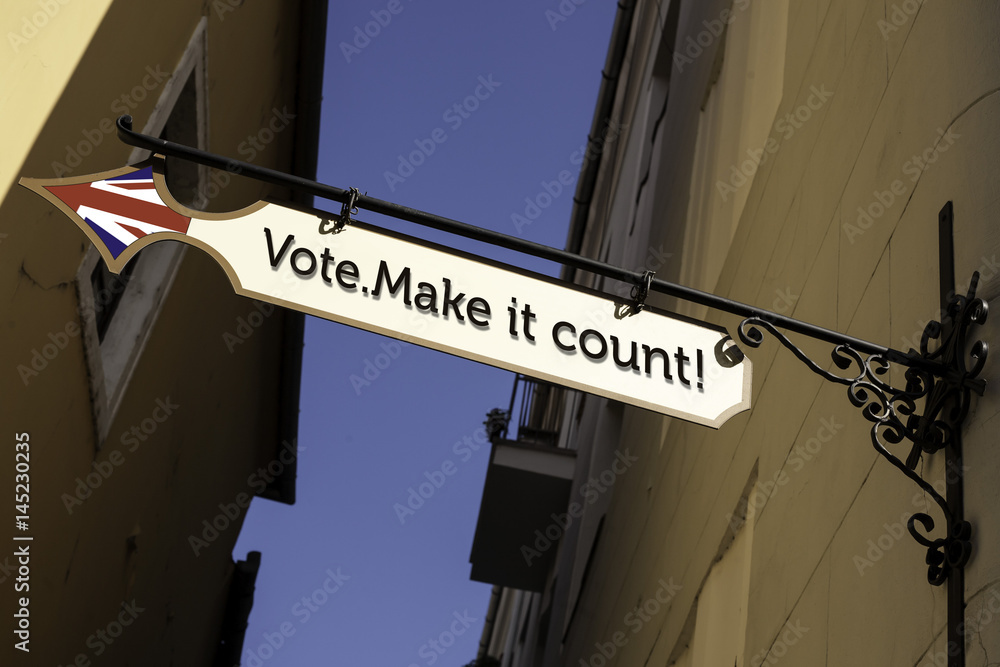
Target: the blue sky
(366, 441)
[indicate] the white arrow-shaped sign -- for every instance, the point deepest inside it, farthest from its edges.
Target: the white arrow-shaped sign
(423, 293)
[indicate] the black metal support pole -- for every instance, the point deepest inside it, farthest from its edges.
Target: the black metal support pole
(169, 148)
(953, 452)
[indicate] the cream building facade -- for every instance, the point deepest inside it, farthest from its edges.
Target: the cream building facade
(793, 156)
(154, 408)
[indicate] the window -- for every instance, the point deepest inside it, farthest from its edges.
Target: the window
(102, 281)
(118, 312)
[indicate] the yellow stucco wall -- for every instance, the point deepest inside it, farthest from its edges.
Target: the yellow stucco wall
(935, 68)
(43, 42)
(129, 541)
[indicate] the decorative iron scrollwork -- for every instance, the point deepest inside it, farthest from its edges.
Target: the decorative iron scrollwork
(948, 402)
(927, 412)
(945, 553)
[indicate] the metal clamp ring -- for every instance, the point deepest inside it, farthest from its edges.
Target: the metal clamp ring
(344, 219)
(641, 290)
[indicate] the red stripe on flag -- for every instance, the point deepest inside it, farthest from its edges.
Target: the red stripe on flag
(138, 233)
(133, 186)
(83, 194)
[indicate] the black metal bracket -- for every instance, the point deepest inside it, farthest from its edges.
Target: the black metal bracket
(928, 412)
(894, 414)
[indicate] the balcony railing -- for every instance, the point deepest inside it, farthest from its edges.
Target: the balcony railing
(539, 415)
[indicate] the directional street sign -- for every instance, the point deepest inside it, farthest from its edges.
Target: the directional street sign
(423, 293)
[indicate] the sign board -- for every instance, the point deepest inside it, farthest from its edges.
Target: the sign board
(419, 292)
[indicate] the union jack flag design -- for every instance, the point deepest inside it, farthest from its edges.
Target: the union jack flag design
(121, 209)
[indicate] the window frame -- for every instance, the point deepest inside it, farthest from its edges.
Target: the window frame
(111, 363)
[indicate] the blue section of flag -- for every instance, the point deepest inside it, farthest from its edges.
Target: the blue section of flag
(142, 174)
(114, 246)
